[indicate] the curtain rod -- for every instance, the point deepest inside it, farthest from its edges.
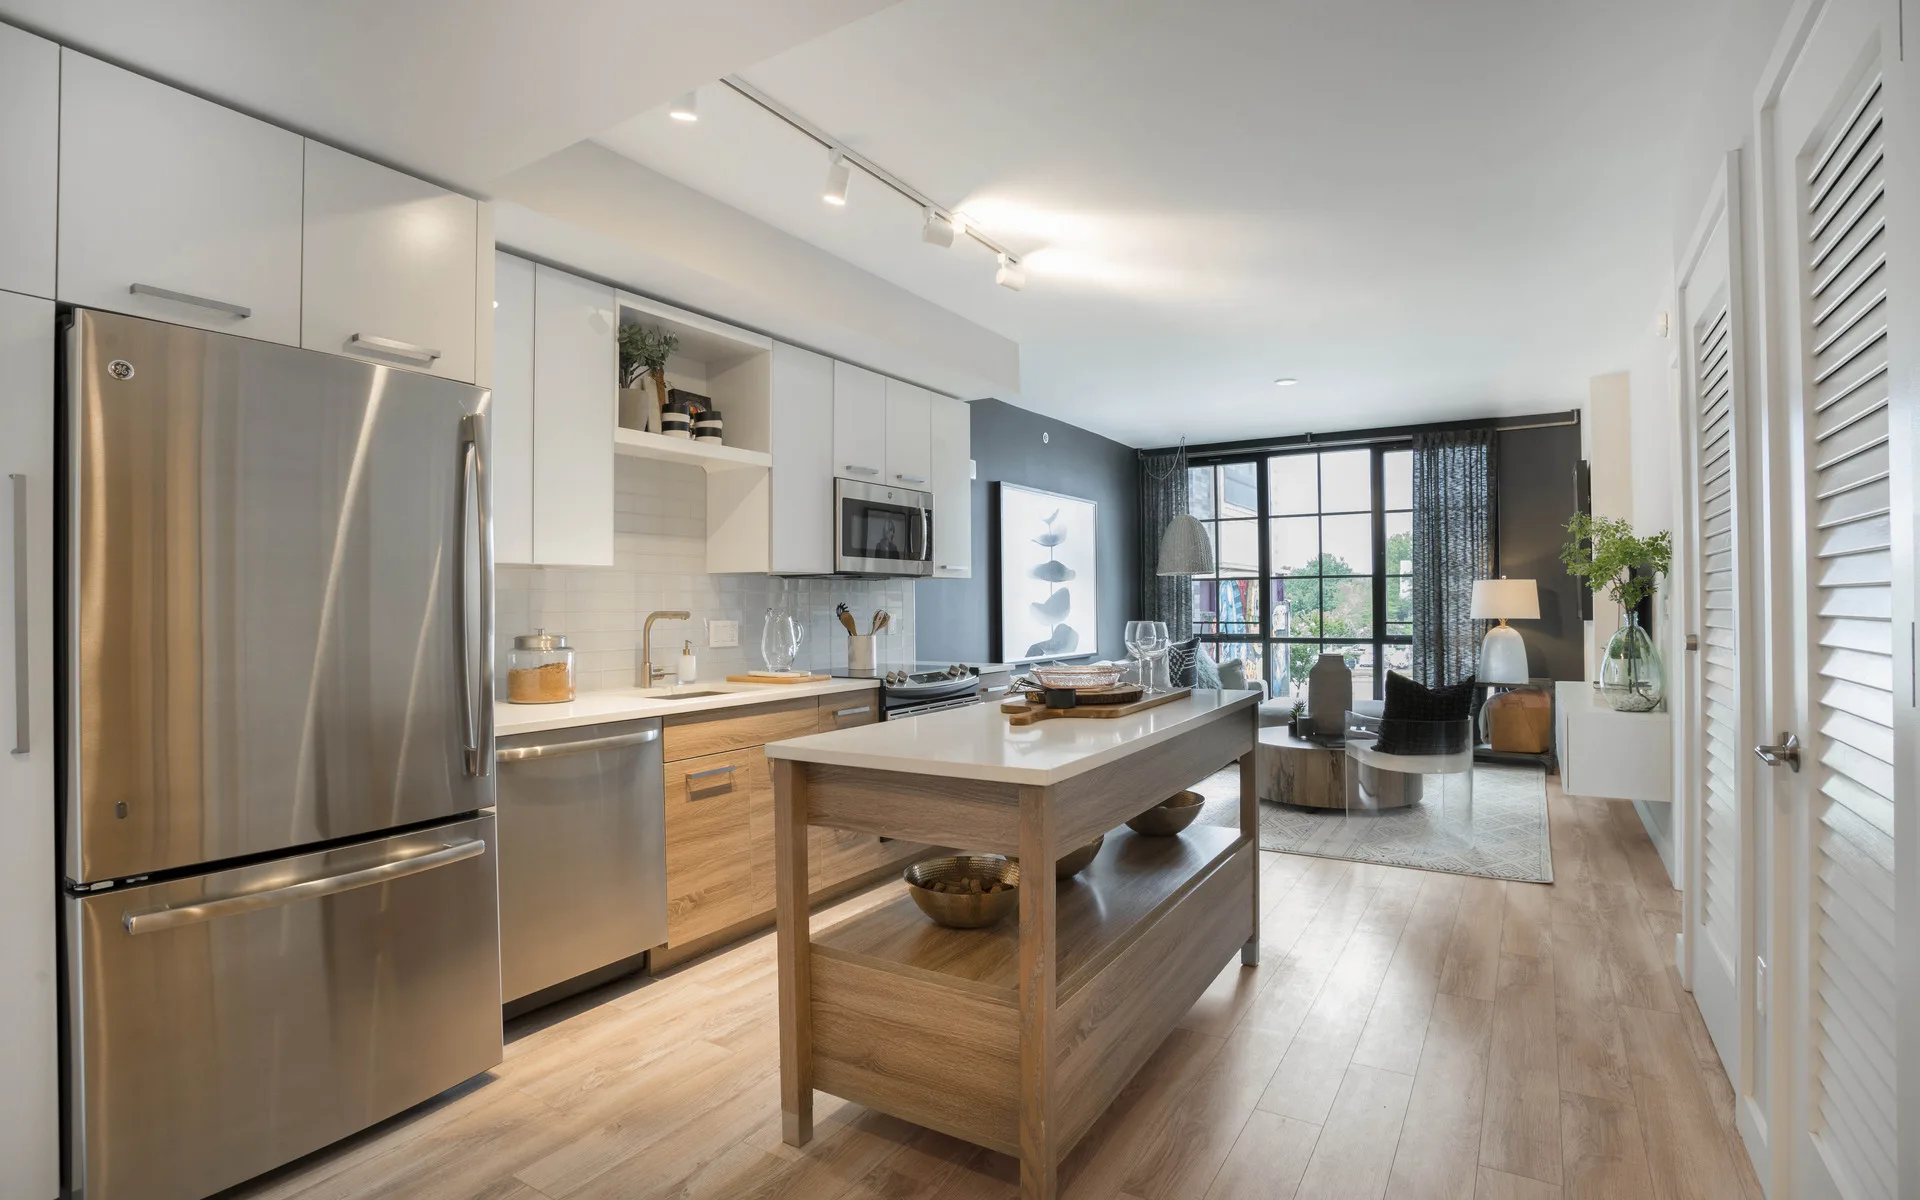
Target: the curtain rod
(1368, 437)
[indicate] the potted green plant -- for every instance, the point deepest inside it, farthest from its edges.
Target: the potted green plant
(1606, 553)
(644, 351)
(1299, 716)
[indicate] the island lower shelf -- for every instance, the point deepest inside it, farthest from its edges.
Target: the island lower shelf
(924, 1022)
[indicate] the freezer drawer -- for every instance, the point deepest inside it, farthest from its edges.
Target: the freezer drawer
(228, 1023)
(583, 859)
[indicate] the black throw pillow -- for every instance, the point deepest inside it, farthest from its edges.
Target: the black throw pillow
(1183, 667)
(1407, 721)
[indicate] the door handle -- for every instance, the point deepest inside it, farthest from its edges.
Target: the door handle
(476, 703)
(389, 346)
(553, 750)
(221, 306)
(1787, 753)
(22, 636)
(156, 919)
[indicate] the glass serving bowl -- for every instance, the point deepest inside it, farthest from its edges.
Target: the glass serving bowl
(1077, 676)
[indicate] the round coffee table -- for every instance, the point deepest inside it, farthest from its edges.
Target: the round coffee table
(1295, 771)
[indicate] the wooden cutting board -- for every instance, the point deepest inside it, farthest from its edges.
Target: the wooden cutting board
(770, 679)
(1020, 712)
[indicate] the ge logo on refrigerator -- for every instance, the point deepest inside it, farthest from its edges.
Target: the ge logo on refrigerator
(120, 368)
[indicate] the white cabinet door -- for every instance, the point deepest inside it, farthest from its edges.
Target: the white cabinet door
(390, 268)
(192, 204)
(952, 440)
(576, 370)
(30, 148)
(909, 436)
(510, 424)
(801, 407)
(29, 1101)
(859, 424)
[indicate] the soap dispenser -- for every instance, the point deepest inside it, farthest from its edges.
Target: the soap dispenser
(688, 666)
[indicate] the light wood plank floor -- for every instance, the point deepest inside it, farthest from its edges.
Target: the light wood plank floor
(1411, 1035)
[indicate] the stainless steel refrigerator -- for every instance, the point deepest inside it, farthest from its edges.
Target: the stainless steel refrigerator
(281, 919)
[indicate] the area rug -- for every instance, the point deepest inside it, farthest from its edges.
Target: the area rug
(1507, 838)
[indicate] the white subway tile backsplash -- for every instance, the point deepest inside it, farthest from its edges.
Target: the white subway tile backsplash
(660, 554)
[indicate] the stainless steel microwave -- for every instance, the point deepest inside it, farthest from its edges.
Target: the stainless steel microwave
(879, 530)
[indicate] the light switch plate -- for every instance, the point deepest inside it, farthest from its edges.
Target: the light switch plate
(722, 634)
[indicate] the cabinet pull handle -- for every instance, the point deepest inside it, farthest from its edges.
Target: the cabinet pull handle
(858, 470)
(911, 478)
(953, 566)
(853, 712)
(709, 773)
(611, 742)
(22, 690)
(159, 293)
(389, 346)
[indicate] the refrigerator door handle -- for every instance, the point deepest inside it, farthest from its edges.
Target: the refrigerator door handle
(22, 636)
(476, 703)
(172, 917)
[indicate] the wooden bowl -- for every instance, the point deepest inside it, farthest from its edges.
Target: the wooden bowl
(1078, 861)
(965, 910)
(1170, 816)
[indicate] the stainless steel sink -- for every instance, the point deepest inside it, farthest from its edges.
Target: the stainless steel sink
(693, 694)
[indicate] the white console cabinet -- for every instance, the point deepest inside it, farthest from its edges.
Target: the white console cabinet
(1613, 755)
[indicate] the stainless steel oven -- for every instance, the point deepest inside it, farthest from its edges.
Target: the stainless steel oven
(880, 530)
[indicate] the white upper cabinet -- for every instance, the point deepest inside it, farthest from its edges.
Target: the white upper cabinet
(801, 412)
(510, 419)
(859, 424)
(952, 489)
(390, 266)
(30, 148)
(576, 380)
(909, 448)
(174, 208)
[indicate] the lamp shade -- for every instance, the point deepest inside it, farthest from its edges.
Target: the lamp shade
(1505, 600)
(1185, 548)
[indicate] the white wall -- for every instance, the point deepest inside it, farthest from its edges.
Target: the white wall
(592, 211)
(659, 557)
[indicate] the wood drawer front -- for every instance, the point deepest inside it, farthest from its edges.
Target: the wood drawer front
(849, 709)
(708, 843)
(691, 735)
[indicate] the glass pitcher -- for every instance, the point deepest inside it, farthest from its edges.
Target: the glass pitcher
(784, 632)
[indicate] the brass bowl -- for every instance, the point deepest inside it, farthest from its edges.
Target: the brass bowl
(966, 910)
(1078, 861)
(1170, 816)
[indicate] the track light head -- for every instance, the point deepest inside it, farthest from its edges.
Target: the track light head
(839, 174)
(1010, 276)
(938, 230)
(686, 108)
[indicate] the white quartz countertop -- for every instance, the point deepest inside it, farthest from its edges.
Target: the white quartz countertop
(977, 742)
(628, 704)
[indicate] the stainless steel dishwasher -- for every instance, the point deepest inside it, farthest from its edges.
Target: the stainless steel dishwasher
(582, 851)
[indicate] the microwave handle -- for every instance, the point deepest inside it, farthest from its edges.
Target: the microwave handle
(926, 536)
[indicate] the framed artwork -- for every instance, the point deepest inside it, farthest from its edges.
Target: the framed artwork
(1047, 577)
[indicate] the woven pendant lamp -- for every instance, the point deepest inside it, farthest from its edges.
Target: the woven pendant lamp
(1185, 547)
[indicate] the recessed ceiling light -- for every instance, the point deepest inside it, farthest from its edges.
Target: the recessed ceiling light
(686, 108)
(838, 176)
(1285, 382)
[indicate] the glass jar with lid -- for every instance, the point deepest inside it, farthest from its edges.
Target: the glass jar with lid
(540, 669)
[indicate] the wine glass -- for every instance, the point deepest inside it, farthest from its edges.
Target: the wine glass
(1153, 652)
(1135, 630)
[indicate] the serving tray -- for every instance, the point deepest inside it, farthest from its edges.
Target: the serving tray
(1028, 712)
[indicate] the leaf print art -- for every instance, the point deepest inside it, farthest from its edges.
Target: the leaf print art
(1046, 591)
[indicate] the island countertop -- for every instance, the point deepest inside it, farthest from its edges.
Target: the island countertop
(977, 742)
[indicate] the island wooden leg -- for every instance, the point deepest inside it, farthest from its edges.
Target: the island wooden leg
(795, 951)
(1250, 826)
(1039, 1166)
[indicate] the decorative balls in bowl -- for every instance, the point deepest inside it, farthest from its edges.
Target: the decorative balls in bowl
(1170, 816)
(965, 891)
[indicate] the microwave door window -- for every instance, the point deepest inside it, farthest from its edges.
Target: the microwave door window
(879, 531)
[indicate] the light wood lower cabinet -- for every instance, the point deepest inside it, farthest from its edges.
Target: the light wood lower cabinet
(720, 820)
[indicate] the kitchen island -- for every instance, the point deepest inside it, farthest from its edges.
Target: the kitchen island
(1016, 1037)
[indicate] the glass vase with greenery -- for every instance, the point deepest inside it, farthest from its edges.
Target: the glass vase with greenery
(1606, 553)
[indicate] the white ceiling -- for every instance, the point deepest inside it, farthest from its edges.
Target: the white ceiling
(460, 90)
(1420, 210)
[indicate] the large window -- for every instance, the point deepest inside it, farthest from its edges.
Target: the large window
(1312, 554)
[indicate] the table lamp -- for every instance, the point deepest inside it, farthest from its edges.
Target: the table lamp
(1503, 655)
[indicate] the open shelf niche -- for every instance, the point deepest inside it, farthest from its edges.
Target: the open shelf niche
(733, 368)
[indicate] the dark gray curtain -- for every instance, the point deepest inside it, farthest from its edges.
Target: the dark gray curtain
(1163, 496)
(1454, 517)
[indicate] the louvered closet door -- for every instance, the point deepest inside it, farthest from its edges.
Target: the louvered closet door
(1719, 916)
(1837, 218)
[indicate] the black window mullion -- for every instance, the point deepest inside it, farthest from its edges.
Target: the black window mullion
(1378, 470)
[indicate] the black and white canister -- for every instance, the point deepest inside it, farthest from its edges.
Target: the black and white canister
(676, 421)
(707, 426)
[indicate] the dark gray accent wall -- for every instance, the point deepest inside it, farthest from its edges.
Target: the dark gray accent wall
(955, 619)
(1536, 492)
